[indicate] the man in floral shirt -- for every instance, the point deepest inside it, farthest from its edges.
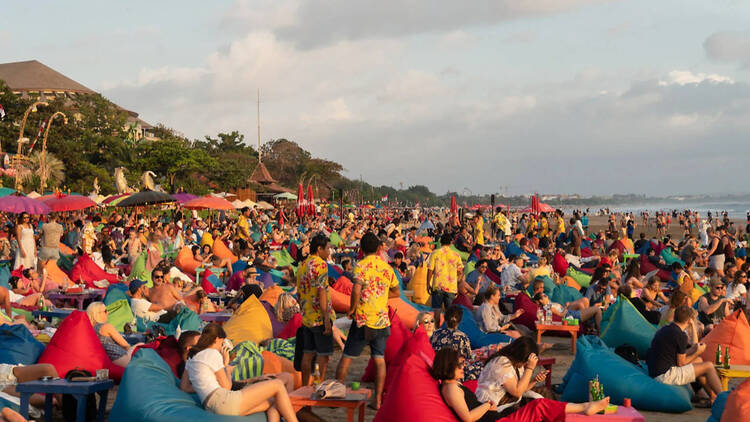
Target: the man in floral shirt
(444, 270)
(374, 282)
(315, 302)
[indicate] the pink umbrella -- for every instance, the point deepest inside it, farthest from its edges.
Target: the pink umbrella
(310, 201)
(18, 204)
(183, 197)
(68, 202)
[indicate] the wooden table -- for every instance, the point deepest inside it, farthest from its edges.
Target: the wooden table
(734, 371)
(88, 294)
(623, 414)
(220, 317)
(355, 399)
(79, 390)
(558, 326)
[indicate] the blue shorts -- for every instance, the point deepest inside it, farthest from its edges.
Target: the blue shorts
(441, 298)
(357, 340)
(314, 341)
(574, 314)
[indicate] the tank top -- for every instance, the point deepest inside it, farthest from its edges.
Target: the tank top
(472, 402)
(719, 313)
(719, 249)
(114, 350)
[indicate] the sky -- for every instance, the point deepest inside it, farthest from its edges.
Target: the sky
(593, 97)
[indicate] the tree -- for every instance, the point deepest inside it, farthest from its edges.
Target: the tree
(285, 160)
(33, 170)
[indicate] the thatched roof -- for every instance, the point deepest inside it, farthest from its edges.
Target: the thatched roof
(261, 175)
(35, 76)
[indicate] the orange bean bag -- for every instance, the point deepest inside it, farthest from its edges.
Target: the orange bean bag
(274, 364)
(340, 301)
(221, 250)
(271, 294)
(572, 283)
(185, 261)
(734, 332)
(65, 250)
(57, 278)
(406, 313)
(343, 285)
(738, 404)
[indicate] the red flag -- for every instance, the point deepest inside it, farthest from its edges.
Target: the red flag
(41, 129)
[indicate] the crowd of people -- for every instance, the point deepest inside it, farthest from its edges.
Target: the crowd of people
(513, 254)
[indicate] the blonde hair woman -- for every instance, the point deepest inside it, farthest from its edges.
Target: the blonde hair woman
(117, 348)
(285, 308)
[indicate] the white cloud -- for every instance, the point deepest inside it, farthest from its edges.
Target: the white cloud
(730, 46)
(684, 77)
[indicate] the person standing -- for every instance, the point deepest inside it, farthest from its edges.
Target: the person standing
(26, 252)
(374, 282)
(243, 225)
(444, 269)
(317, 311)
(52, 231)
(89, 235)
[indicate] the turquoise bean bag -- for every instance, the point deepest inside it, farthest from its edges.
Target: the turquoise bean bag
(477, 337)
(149, 392)
(620, 379)
(717, 410)
(563, 294)
(116, 292)
(238, 265)
(5, 275)
(627, 326)
(186, 319)
(18, 346)
(549, 285)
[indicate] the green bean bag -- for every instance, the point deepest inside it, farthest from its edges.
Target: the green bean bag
(281, 347)
(248, 361)
(563, 294)
(469, 267)
(283, 258)
(138, 270)
(119, 314)
(620, 379)
(464, 255)
(627, 326)
(149, 392)
(335, 239)
(583, 279)
(670, 258)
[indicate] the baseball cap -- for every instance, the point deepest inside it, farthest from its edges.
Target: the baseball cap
(135, 285)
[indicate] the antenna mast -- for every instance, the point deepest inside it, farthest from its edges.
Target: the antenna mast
(260, 154)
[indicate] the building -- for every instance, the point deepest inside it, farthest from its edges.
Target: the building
(34, 79)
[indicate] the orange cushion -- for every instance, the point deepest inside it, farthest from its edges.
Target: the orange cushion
(57, 278)
(340, 301)
(734, 332)
(572, 283)
(274, 364)
(221, 250)
(406, 313)
(343, 285)
(65, 250)
(271, 294)
(738, 404)
(185, 261)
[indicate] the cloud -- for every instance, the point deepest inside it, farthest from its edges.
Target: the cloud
(684, 77)
(728, 46)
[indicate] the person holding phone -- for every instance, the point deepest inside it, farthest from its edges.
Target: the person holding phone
(208, 373)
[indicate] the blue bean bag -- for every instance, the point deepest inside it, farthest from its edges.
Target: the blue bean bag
(717, 410)
(334, 271)
(116, 292)
(563, 294)
(18, 346)
(5, 275)
(620, 379)
(627, 326)
(477, 337)
(186, 319)
(238, 265)
(149, 391)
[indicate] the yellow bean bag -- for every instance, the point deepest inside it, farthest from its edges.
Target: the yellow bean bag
(271, 295)
(418, 284)
(185, 261)
(221, 250)
(207, 239)
(249, 322)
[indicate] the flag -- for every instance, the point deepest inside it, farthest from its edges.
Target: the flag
(384, 198)
(41, 129)
(2, 112)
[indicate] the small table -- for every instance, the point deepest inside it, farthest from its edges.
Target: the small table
(355, 399)
(219, 317)
(623, 414)
(734, 371)
(558, 326)
(88, 294)
(53, 313)
(79, 390)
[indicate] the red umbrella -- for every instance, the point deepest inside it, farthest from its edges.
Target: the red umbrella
(17, 204)
(454, 206)
(60, 203)
(208, 202)
(310, 201)
(300, 208)
(281, 218)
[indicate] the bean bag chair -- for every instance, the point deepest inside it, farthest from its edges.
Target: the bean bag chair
(462, 300)
(119, 313)
(417, 344)
(717, 409)
(271, 295)
(249, 322)
(563, 294)
(161, 400)
(56, 276)
(627, 326)
(276, 325)
(186, 319)
(628, 245)
(340, 301)
(168, 349)
(571, 283)
(239, 265)
(75, 345)
(86, 270)
(18, 345)
(222, 251)
(138, 270)
(406, 313)
(207, 239)
(335, 239)
(116, 292)
(207, 284)
(399, 334)
(620, 379)
(283, 258)
(477, 337)
(4, 276)
(559, 264)
(734, 332)
(469, 267)
(528, 317)
(737, 407)
(414, 395)
(291, 327)
(647, 267)
(619, 247)
(670, 257)
(273, 364)
(281, 347)
(464, 255)
(580, 277)
(334, 271)
(343, 285)
(248, 361)
(185, 261)
(65, 250)
(549, 285)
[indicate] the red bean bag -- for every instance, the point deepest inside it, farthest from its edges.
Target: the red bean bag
(559, 264)
(343, 285)
(291, 327)
(414, 396)
(221, 250)
(86, 270)
(528, 318)
(647, 267)
(737, 404)
(206, 285)
(185, 261)
(168, 349)
(397, 339)
(76, 345)
(619, 246)
(417, 344)
(463, 300)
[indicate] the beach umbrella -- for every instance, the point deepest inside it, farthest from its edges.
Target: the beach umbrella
(64, 203)
(6, 191)
(208, 202)
(427, 225)
(300, 208)
(145, 197)
(17, 204)
(310, 201)
(97, 198)
(248, 203)
(264, 205)
(237, 204)
(285, 195)
(183, 197)
(112, 198)
(33, 195)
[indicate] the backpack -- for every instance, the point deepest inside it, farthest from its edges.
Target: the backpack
(629, 353)
(70, 404)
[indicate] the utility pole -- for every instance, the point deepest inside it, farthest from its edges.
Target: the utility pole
(260, 154)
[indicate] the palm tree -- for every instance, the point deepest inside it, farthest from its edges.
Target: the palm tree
(33, 170)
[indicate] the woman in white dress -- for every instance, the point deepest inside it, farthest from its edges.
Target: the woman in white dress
(26, 252)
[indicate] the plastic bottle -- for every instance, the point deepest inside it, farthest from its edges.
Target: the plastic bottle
(540, 315)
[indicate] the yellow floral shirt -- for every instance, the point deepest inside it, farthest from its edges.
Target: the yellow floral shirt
(446, 265)
(560, 225)
(311, 277)
(479, 232)
(376, 277)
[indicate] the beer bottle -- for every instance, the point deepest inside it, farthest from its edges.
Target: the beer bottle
(718, 355)
(726, 357)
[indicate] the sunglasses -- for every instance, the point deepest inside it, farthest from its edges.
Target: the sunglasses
(428, 321)
(158, 276)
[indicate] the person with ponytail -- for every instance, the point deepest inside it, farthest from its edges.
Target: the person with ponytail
(451, 336)
(208, 373)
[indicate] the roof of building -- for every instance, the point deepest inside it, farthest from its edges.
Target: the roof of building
(261, 175)
(33, 75)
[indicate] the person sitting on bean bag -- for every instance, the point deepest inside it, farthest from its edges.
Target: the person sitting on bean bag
(118, 349)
